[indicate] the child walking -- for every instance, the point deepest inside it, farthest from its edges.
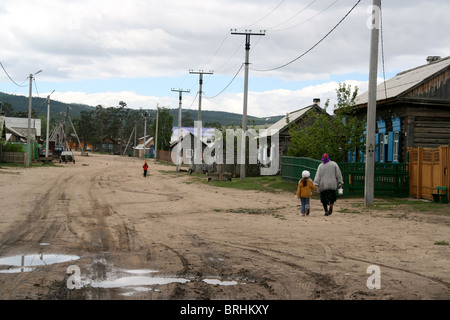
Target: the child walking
(145, 167)
(304, 189)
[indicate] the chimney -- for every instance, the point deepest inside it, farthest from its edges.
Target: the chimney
(431, 59)
(316, 101)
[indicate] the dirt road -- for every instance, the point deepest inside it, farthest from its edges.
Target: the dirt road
(98, 230)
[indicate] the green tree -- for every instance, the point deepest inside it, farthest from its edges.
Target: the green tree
(86, 127)
(322, 133)
(165, 127)
(186, 120)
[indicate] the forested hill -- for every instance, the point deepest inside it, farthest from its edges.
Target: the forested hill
(19, 104)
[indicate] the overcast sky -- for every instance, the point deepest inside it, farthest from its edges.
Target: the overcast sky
(100, 52)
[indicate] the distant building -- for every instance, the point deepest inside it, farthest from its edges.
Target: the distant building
(282, 128)
(188, 151)
(147, 147)
(17, 129)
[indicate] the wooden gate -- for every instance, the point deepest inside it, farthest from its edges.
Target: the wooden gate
(428, 169)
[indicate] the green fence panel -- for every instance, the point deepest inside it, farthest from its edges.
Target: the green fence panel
(390, 179)
(292, 168)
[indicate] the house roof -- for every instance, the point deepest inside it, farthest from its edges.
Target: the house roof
(141, 145)
(405, 81)
(20, 125)
(206, 133)
(281, 124)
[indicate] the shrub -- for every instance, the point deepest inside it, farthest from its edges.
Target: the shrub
(10, 147)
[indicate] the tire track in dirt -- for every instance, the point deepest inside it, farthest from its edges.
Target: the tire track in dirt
(102, 232)
(434, 279)
(319, 284)
(40, 224)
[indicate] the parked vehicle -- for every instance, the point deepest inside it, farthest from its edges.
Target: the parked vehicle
(67, 156)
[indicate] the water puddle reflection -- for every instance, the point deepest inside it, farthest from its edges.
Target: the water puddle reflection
(220, 282)
(141, 280)
(137, 281)
(26, 263)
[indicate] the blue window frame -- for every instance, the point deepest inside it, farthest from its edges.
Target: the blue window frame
(394, 140)
(380, 148)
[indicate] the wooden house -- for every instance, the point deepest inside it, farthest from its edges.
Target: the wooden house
(282, 127)
(145, 144)
(189, 138)
(413, 110)
(111, 146)
(17, 129)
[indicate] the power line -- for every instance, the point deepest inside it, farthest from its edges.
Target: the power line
(195, 98)
(382, 49)
(11, 78)
(232, 56)
(217, 50)
(272, 11)
(310, 49)
(292, 16)
(227, 84)
(303, 22)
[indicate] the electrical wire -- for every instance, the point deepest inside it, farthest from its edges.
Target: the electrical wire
(232, 56)
(11, 78)
(315, 45)
(307, 20)
(35, 85)
(272, 11)
(193, 101)
(217, 50)
(227, 84)
(295, 15)
(382, 50)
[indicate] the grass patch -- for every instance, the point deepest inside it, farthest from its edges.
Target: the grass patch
(32, 165)
(345, 210)
(265, 183)
(441, 243)
(270, 211)
(407, 205)
(12, 165)
(253, 211)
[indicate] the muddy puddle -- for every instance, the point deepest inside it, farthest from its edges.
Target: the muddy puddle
(131, 281)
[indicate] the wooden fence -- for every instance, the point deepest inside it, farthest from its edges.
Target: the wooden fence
(428, 169)
(164, 156)
(13, 157)
(391, 179)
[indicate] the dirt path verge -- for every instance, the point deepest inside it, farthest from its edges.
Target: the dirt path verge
(169, 236)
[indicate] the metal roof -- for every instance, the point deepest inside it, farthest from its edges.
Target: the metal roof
(281, 124)
(405, 81)
(21, 125)
(206, 133)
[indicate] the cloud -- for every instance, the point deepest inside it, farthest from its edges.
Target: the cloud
(260, 104)
(88, 41)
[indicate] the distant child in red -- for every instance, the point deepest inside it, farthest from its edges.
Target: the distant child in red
(145, 166)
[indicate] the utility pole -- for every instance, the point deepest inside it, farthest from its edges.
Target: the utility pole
(198, 148)
(180, 91)
(135, 138)
(48, 125)
(372, 105)
(29, 119)
(247, 34)
(145, 115)
(156, 132)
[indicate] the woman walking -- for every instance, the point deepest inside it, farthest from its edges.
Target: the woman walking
(328, 178)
